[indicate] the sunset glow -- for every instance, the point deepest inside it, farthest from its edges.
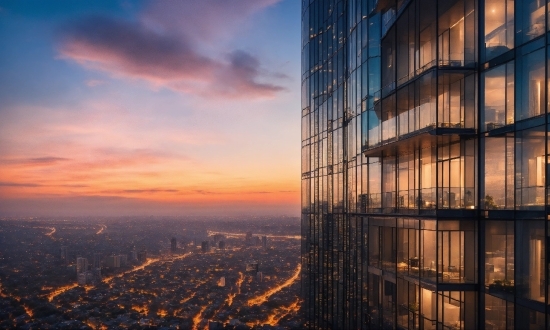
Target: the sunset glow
(162, 117)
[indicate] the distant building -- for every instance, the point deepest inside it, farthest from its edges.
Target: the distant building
(264, 242)
(218, 237)
(252, 265)
(221, 245)
(259, 276)
(81, 278)
(97, 260)
(221, 282)
(248, 236)
(204, 246)
(142, 256)
(112, 261)
(96, 272)
(133, 255)
(81, 265)
(123, 259)
(64, 252)
(173, 244)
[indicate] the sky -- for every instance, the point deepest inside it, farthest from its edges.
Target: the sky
(150, 108)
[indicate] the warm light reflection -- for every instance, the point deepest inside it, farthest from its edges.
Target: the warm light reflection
(197, 319)
(263, 298)
(103, 227)
(241, 235)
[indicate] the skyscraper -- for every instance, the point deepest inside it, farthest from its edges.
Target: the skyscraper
(173, 244)
(424, 160)
(81, 265)
(97, 260)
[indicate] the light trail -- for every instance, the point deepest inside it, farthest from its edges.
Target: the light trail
(103, 227)
(280, 313)
(60, 290)
(240, 282)
(263, 298)
(66, 288)
(239, 235)
(142, 266)
(51, 232)
(197, 319)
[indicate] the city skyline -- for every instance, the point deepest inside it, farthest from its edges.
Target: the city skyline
(143, 108)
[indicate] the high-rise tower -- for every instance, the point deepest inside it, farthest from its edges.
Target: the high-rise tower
(424, 164)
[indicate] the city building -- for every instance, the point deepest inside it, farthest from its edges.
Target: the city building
(133, 255)
(81, 265)
(264, 242)
(252, 266)
(204, 246)
(112, 261)
(221, 245)
(142, 256)
(97, 260)
(173, 244)
(82, 278)
(123, 259)
(424, 158)
(64, 252)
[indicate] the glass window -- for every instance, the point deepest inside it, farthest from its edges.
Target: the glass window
(499, 173)
(495, 311)
(428, 248)
(408, 256)
(498, 96)
(456, 251)
(530, 268)
(499, 257)
(530, 168)
(530, 74)
(499, 27)
(530, 20)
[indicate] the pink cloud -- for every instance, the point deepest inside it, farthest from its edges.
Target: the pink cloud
(134, 50)
(204, 20)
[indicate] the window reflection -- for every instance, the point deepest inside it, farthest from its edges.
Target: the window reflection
(531, 20)
(499, 27)
(530, 168)
(530, 267)
(498, 106)
(499, 257)
(499, 174)
(530, 95)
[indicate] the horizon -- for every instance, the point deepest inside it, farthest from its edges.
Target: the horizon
(146, 108)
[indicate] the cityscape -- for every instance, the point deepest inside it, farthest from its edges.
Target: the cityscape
(142, 273)
(275, 164)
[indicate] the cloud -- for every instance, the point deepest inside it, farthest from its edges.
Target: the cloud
(130, 49)
(17, 184)
(94, 82)
(140, 191)
(204, 20)
(40, 161)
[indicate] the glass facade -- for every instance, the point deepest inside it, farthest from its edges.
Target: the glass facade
(425, 152)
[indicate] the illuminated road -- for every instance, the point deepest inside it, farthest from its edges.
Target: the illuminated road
(198, 318)
(238, 235)
(66, 288)
(140, 267)
(240, 282)
(263, 298)
(279, 313)
(51, 232)
(103, 227)
(60, 290)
